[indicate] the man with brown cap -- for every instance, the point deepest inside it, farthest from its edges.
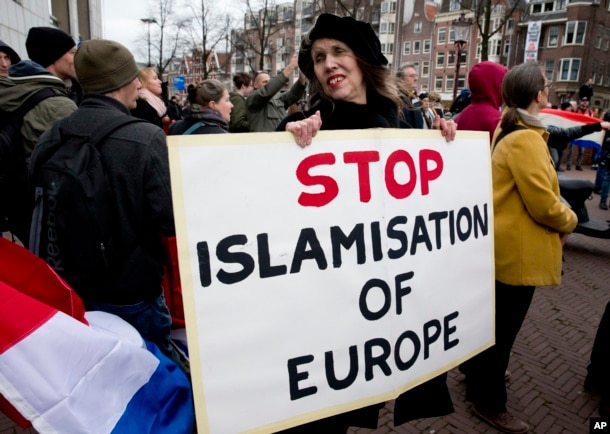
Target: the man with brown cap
(51, 53)
(137, 168)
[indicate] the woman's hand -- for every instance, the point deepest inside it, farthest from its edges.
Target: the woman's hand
(563, 238)
(447, 127)
(304, 131)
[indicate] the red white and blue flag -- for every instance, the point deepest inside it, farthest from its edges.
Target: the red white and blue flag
(65, 376)
(565, 119)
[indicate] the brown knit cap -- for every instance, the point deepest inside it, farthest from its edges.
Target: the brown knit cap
(103, 66)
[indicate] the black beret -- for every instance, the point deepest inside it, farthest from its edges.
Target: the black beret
(357, 35)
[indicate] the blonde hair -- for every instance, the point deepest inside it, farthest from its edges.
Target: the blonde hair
(146, 74)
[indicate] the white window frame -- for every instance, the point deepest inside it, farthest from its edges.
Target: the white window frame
(553, 33)
(571, 75)
(440, 55)
(427, 46)
(577, 38)
(449, 82)
(425, 68)
(441, 31)
(438, 83)
(406, 48)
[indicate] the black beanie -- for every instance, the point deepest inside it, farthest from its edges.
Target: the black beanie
(45, 45)
(10, 52)
(103, 66)
(357, 35)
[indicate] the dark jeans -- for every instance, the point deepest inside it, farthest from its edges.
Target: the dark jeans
(598, 371)
(151, 318)
(485, 385)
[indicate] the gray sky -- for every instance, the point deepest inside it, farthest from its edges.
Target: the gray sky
(121, 20)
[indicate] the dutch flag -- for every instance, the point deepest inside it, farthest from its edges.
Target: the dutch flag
(564, 119)
(65, 375)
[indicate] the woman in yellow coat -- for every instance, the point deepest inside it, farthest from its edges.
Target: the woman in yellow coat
(531, 225)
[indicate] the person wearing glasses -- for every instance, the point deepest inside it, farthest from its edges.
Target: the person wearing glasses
(531, 225)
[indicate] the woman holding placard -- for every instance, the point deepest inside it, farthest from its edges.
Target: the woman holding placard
(352, 88)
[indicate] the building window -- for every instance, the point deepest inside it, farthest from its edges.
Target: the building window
(461, 81)
(454, 5)
(388, 7)
(417, 28)
(569, 69)
(425, 69)
(575, 33)
(544, 7)
(440, 59)
(451, 58)
(390, 48)
(383, 28)
(495, 47)
(553, 36)
(416, 47)
(506, 48)
(599, 36)
(449, 83)
(391, 27)
(438, 83)
(406, 48)
(427, 45)
(442, 35)
(549, 67)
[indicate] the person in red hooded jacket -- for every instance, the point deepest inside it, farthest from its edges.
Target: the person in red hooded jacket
(483, 113)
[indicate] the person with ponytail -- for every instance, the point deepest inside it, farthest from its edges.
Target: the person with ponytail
(531, 225)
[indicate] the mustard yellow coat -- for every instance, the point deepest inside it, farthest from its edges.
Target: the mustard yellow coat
(528, 213)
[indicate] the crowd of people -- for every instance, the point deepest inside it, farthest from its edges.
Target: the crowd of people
(342, 81)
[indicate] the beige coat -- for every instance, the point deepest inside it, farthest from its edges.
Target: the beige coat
(528, 214)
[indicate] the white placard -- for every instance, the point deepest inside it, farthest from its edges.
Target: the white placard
(324, 279)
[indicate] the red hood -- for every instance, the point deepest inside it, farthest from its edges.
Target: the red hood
(485, 82)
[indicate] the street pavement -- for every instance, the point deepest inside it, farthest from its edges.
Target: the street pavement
(549, 358)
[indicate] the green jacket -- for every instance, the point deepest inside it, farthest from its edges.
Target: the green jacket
(528, 213)
(267, 106)
(239, 114)
(14, 90)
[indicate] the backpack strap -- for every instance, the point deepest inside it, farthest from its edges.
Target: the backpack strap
(100, 133)
(193, 128)
(506, 132)
(33, 100)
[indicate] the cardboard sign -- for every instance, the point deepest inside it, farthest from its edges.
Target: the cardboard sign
(324, 279)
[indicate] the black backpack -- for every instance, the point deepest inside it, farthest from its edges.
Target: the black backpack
(74, 215)
(14, 204)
